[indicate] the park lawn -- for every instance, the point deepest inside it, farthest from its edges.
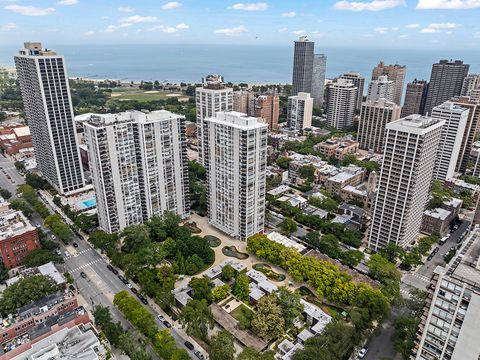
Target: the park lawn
(140, 95)
(240, 311)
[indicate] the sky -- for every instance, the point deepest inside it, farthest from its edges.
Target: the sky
(406, 24)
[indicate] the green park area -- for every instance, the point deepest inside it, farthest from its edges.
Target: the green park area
(124, 94)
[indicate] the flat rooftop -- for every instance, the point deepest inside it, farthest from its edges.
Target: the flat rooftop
(13, 223)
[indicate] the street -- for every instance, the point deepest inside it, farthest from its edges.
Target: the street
(7, 168)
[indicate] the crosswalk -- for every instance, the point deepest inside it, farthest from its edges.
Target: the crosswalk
(421, 277)
(82, 252)
(81, 267)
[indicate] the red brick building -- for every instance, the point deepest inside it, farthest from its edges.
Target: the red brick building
(17, 238)
(266, 107)
(15, 137)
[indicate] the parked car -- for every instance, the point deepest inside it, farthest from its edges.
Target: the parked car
(53, 237)
(129, 285)
(110, 267)
(75, 245)
(199, 355)
(83, 275)
(189, 345)
(160, 317)
(67, 254)
(121, 278)
(58, 252)
(362, 353)
(167, 324)
(134, 290)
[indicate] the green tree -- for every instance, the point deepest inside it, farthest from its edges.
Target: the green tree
(268, 322)
(135, 237)
(307, 172)
(201, 288)
(55, 223)
(196, 318)
(221, 347)
(288, 226)
(250, 353)
(140, 354)
(241, 289)
(3, 273)
(220, 292)
(228, 272)
(351, 257)
(283, 162)
(164, 344)
(289, 303)
(36, 181)
(22, 205)
(104, 241)
(25, 291)
(39, 257)
(140, 317)
(5, 194)
(180, 354)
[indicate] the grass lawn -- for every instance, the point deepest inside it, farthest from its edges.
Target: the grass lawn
(140, 95)
(242, 313)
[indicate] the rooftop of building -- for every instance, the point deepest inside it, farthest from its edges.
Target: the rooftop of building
(357, 210)
(285, 241)
(438, 213)
(237, 120)
(346, 174)
(102, 120)
(279, 190)
(48, 269)
(35, 49)
(450, 107)
(415, 123)
(13, 223)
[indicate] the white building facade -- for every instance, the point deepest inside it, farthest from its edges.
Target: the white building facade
(139, 166)
(456, 118)
(300, 111)
(342, 99)
(403, 186)
(211, 97)
(235, 161)
(46, 97)
(382, 88)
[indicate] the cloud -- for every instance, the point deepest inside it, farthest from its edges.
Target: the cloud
(298, 32)
(30, 10)
(232, 31)
(89, 33)
(289, 14)
(477, 35)
(171, 5)
(261, 6)
(375, 5)
(136, 19)
(385, 30)
(8, 26)
(111, 28)
(169, 29)
(413, 26)
(126, 9)
(448, 4)
(68, 2)
(283, 29)
(439, 27)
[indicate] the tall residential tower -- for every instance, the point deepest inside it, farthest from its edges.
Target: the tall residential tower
(302, 66)
(318, 79)
(342, 98)
(395, 73)
(43, 79)
(299, 112)
(415, 97)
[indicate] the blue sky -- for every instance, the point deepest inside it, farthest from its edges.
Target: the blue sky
(408, 24)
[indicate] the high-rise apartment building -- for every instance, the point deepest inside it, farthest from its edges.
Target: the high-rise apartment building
(302, 66)
(446, 81)
(403, 186)
(211, 97)
(359, 82)
(374, 117)
(43, 79)
(236, 161)
(470, 83)
(266, 107)
(381, 88)
(318, 79)
(449, 326)
(342, 99)
(473, 122)
(396, 73)
(415, 97)
(299, 112)
(139, 166)
(455, 118)
(241, 100)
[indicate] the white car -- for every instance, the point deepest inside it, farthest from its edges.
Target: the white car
(129, 285)
(58, 252)
(67, 254)
(362, 353)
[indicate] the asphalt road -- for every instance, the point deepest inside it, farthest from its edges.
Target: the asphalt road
(7, 168)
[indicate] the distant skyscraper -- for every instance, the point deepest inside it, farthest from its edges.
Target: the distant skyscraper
(318, 79)
(236, 160)
(241, 101)
(342, 97)
(415, 97)
(45, 90)
(381, 88)
(396, 73)
(470, 83)
(449, 326)
(473, 122)
(139, 166)
(266, 107)
(403, 191)
(455, 118)
(374, 117)
(446, 81)
(302, 66)
(359, 82)
(212, 97)
(299, 112)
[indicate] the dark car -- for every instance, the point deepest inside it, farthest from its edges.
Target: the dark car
(134, 290)
(167, 324)
(110, 267)
(115, 271)
(189, 345)
(75, 245)
(144, 301)
(83, 275)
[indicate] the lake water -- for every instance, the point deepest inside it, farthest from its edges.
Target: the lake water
(237, 63)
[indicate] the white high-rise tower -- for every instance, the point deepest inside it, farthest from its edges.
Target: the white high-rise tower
(45, 90)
